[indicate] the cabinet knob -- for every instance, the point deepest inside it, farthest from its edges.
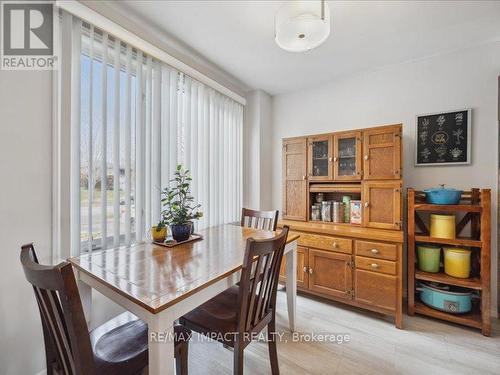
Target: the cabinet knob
(305, 269)
(366, 157)
(374, 251)
(330, 158)
(334, 158)
(374, 265)
(367, 204)
(310, 270)
(304, 177)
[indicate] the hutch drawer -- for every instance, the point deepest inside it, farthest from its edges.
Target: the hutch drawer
(377, 250)
(341, 245)
(376, 265)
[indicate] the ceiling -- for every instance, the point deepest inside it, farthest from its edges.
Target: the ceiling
(238, 36)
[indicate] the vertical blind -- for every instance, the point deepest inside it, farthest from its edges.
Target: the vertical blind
(136, 119)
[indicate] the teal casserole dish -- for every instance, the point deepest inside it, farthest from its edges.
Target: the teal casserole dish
(445, 298)
(442, 195)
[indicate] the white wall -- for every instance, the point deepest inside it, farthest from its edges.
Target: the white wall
(257, 138)
(25, 211)
(395, 94)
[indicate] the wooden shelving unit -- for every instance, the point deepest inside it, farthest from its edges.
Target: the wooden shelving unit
(459, 241)
(476, 205)
(472, 319)
(440, 277)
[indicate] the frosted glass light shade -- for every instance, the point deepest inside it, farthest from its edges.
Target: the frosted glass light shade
(299, 25)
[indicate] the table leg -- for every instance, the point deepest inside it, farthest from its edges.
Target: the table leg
(86, 298)
(161, 347)
(291, 283)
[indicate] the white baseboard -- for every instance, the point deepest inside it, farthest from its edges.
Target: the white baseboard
(43, 372)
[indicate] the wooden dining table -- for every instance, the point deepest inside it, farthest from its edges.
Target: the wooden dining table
(160, 284)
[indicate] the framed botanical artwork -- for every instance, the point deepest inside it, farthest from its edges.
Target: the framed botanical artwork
(443, 138)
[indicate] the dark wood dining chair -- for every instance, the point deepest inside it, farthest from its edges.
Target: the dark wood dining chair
(267, 220)
(118, 347)
(238, 314)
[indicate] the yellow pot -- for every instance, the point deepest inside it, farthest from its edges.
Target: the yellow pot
(457, 262)
(443, 226)
(158, 235)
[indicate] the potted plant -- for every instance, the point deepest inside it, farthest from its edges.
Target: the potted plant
(159, 232)
(178, 208)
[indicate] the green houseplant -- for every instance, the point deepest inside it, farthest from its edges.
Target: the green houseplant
(178, 208)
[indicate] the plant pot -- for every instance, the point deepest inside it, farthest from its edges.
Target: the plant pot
(158, 235)
(181, 232)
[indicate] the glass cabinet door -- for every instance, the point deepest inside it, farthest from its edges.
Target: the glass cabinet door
(320, 157)
(348, 156)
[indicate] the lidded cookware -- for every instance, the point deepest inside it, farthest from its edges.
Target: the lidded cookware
(428, 258)
(457, 262)
(442, 226)
(442, 195)
(446, 298)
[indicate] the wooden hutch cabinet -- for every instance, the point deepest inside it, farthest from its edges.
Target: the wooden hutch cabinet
(358, 264)
(382, 153)
(347, 156)
(295, 179)
(320, 156)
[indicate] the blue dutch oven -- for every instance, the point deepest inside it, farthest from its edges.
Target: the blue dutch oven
(442, 195)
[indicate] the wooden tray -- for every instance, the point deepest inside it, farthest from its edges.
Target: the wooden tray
(170, 242)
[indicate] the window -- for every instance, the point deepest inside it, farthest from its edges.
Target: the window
(138, 118)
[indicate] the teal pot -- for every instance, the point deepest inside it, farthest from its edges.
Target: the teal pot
(445, 298)
(442, 195)
(181, 232)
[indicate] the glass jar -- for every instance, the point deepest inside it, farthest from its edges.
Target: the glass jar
(326, 211)
(337, 212)
(316, 212)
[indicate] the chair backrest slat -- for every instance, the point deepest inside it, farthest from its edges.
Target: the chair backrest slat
(259, 280)
(64, 326)
(261, 300)
(51, 315)
(266, 220)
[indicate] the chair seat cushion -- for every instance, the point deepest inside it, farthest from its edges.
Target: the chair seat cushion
(216, 317)
(120, 343)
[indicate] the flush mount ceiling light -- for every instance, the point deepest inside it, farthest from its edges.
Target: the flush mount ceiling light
(302, 25)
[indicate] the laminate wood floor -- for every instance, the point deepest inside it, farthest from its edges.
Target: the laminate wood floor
(425, 346)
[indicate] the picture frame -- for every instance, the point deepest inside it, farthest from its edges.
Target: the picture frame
(443, 138)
